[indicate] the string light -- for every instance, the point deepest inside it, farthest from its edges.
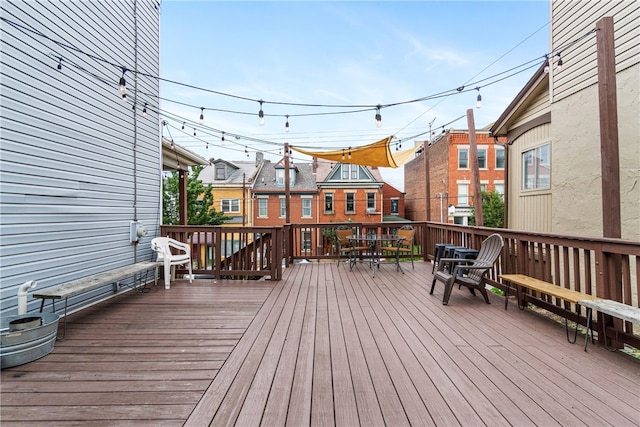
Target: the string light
(194, 131)
(479, 99)
(222, 139)
(261, 114)
(378, 116)
(60, 63)
(559, 63)
(349, 153)
(286, 125)
(124, 97)
(201, 115)
(182, 125)
(246, 151)
(144, 110)
(343, 154)
(123, 83)
(546, 63)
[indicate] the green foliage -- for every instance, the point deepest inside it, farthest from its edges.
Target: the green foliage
(492, 210)
(200, 209)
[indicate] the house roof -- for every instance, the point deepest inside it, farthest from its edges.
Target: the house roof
(241, 171)
(266, 179)
(538, 82)
(175, 157)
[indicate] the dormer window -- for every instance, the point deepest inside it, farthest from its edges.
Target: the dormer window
(280, 176)
(221, 172)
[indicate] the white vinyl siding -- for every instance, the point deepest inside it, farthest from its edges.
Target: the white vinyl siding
(77, 164)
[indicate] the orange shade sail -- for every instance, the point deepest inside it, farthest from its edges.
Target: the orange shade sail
(377, 154)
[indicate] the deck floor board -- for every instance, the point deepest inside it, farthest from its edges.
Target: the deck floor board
(327, 345)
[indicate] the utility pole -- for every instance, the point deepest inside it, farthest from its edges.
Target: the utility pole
(473, 151)
(425, 154)
(287, 192)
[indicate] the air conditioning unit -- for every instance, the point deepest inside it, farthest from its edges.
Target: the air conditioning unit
(371, 210)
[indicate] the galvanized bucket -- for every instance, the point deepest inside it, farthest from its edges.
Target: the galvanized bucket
(20, 346)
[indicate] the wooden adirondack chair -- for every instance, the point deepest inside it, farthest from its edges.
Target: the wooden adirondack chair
(476, 269)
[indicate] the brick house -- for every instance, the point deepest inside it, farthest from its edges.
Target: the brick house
(349, 192)
(450, 176)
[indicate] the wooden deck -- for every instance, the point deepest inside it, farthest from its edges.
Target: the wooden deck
(324, 346)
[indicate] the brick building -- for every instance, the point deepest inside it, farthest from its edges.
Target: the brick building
(450, 176)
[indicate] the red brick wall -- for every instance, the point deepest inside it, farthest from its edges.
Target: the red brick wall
(444, 174)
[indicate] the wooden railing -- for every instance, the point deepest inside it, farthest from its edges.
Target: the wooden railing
(232, 252)
(607, 268)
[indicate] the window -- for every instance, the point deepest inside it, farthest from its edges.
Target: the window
(500, 188)
(371, 202)
(262, 207)
(463, 158)
(350, 172)
(395, 206)
(220, 172)
(463, 194)
(306, 207)
(483, 188)
(499, 158)
(536, 167)
(280, 176)
(482, 158)
(230, 205)
(350, 204)
(328, 203)
(283, 207)
(306, 239)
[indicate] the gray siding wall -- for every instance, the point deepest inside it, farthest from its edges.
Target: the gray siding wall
(575, 128)
(573, 19)
(76, 163)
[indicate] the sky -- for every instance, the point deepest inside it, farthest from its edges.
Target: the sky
(328, 64)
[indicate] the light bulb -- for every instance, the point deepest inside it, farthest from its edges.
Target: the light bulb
(479, 101)
(201, 115)
(261, 114)
(378, 117)
(144, 110)
(286, 125)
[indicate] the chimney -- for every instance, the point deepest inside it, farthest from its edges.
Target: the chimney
(259, 157)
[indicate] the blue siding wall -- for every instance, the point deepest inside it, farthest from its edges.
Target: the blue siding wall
(76, 163)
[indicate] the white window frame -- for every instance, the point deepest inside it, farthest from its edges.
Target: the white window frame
(465, 150)
(371, 201)
(305, 240)
(483, 149)
(263, 203)
(283, 207)
(500, 150)
(536, 181)
(306, 207)
(233, 205)
(463, 193)
(332, 201)
(348, 195)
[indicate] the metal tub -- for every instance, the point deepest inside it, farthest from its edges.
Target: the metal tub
(18, 347)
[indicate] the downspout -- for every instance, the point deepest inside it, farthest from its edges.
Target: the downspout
(22, 295)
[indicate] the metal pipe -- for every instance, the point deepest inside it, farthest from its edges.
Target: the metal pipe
(22, 295)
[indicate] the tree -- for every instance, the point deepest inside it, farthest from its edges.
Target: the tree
(492, 210)
(200, 209)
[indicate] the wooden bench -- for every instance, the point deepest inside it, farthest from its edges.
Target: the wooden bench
(89, 283)
(612, 308)
(547, 288)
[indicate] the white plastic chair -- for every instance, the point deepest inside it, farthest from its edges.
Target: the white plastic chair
(163, 246)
